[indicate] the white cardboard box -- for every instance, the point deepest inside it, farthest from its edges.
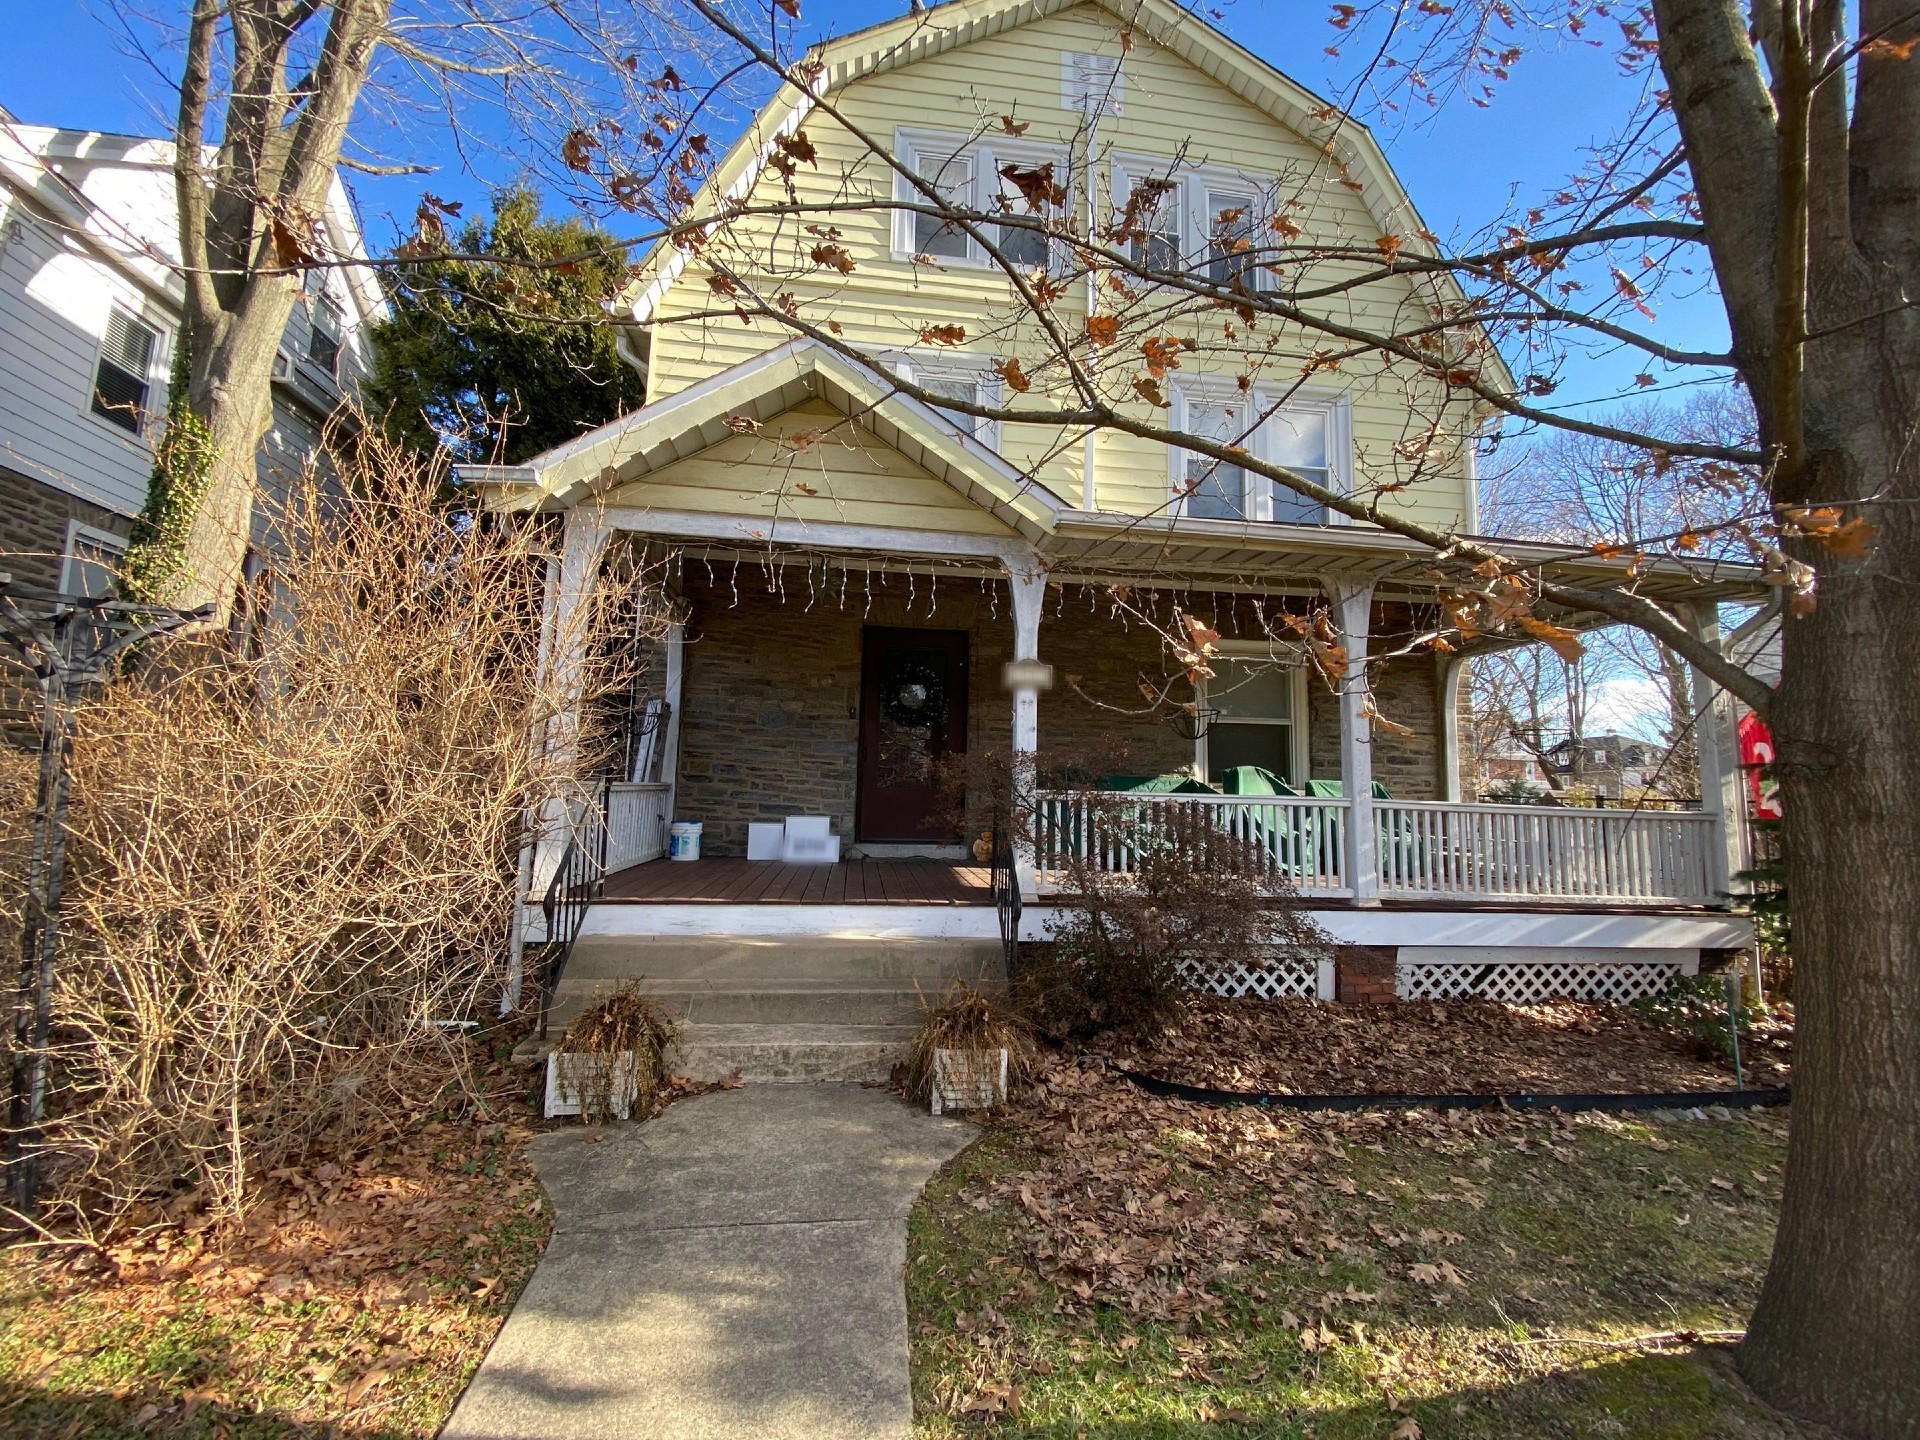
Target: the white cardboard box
(765, 841)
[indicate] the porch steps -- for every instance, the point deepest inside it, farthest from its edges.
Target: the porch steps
(781, 1008)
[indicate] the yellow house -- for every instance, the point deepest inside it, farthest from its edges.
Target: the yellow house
(866, 579)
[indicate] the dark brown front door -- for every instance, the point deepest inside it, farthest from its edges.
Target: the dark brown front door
(913, 710)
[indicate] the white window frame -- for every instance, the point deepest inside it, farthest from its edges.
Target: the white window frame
(920, 366)
(78, 531)
(1195, 183)
(158, 366)
(987, 154)
(1298, 751)
(1334, 406)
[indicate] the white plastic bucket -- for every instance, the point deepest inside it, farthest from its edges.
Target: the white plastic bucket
(683, 840)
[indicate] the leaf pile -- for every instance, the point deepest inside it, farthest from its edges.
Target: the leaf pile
(1464, 1047)
(357, 1297)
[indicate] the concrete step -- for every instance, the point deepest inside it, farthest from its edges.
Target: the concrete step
(770, 1002)
(791, 1053)
(796, 957)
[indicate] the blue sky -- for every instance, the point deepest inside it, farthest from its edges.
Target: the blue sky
(67, 64)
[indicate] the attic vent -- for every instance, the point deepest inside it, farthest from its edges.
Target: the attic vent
(1091, 83)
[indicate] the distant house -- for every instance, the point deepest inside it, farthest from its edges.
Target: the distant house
(90, 305)
(1615, 767)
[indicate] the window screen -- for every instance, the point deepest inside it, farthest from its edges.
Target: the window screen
(120, 387)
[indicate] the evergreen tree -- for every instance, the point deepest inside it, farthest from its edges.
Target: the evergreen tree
(503, 358)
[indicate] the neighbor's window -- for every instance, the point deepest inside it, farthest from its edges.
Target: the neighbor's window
(324, 330)
(93, 557)
(1255, 726)
(122, 381)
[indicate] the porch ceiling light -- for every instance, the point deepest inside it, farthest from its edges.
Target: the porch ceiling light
(1027, 675)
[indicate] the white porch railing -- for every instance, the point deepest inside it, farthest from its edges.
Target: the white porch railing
(1302, 840)
(1425, 850)
(637, 817)
(1538, 852)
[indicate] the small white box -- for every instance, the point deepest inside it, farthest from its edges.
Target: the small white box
(809, 841)
(765, 840)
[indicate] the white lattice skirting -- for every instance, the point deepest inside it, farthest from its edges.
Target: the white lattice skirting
(1276, 980)
(1522, 982)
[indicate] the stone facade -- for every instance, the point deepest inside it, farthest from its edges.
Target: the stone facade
(771, 699)
(33, 527)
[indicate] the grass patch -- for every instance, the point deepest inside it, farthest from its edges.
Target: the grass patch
(1107, 1265)
(358, 1299)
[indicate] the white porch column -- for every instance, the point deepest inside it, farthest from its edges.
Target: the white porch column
(1352, 607)
(1026, 676)
(570, 581)
(674, 686)
(1718, 752)
(1453, 671)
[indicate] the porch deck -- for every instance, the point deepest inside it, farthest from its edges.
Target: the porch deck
(770, 882)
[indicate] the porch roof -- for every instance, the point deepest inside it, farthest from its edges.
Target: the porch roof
(711, 412)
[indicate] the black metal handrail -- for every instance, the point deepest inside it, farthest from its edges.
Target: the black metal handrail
(577, 882)
(1004, 878)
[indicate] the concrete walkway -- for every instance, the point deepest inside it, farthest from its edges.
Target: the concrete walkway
(732, 1269)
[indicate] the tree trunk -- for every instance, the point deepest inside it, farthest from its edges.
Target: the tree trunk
(1837, 1333)
(231, 391)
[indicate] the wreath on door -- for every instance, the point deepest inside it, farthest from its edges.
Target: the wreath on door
(915, 694)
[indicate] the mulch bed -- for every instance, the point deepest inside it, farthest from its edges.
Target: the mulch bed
(1471, 1047)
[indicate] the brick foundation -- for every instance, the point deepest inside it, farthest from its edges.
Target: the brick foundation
(1364, 974)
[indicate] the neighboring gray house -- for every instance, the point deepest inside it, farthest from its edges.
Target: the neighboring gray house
(89, 309)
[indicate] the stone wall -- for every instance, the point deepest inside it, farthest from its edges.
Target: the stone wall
(33, 527)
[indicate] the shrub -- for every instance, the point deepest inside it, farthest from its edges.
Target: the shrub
(290, 858)
(1696, 1006)
(1196, 901)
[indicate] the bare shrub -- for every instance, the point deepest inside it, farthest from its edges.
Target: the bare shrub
(1190, 902)
(290, 858)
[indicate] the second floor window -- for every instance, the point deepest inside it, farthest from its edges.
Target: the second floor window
(956, 380)
(972, 175)
(1303, 438)
(122, 380)
(1208, 223)
(324, 329)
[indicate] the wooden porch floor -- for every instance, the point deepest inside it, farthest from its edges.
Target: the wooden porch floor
(769, 882)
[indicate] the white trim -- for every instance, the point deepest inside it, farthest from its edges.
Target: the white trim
(921, 365)
(1470, 931)
(828, 534)
(1334, 407)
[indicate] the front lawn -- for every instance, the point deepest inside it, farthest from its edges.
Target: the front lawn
(1107, 1264)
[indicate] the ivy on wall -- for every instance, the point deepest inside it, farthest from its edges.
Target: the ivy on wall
(183, 460)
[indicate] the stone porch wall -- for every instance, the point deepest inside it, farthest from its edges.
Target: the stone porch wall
(770, 707)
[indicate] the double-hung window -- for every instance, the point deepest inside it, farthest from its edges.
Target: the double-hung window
(957, 377)
(123, 376)
(325, 326)
(1260, 717)
(971, 175)
(1307, 435)
(1206, 222)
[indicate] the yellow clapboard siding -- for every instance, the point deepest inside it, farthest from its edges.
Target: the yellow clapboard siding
(854, 476)
(885, 303)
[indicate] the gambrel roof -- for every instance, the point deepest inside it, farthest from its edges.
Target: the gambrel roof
(908, 39)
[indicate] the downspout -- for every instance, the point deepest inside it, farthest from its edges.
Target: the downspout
(1089, 492)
